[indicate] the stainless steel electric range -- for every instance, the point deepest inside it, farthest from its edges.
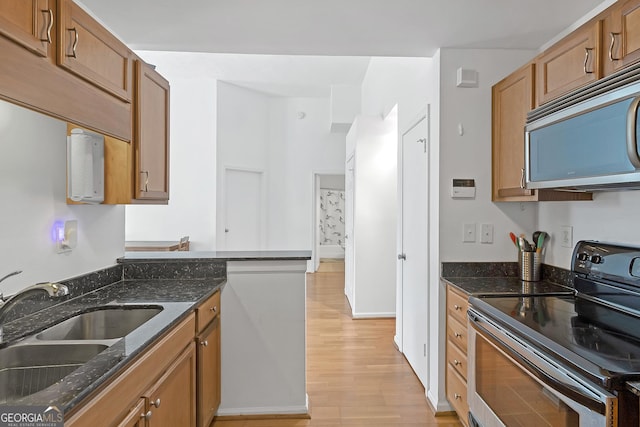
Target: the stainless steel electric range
(561, 359)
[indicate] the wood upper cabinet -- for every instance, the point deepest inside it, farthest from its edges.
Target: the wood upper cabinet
(29, 23)
(151, 135)
(512, 99)
(88, 50)
(571, 63)
(621, 36)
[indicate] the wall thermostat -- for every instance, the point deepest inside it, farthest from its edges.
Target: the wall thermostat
(463, 189)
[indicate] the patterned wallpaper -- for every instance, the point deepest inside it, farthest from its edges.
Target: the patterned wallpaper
(331, 217)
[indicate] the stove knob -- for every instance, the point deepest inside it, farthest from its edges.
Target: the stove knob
(596, 259)
(583, 256)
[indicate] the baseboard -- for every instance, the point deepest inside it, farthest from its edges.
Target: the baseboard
(396, 343)
(374, 315)
(270, 412)
(439, 408)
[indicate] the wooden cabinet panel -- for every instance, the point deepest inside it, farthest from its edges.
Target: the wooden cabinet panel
(569, 64)
(151, 136)
(512, 99)
(137, 416)
(172, 400)
(622, 36)
(207, 311)
(88, 50)
(457, 394)
(208, 373)
(28, 23)
(457, 358)
(457, 304)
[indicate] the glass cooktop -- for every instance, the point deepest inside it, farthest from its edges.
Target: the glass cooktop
(599, 341)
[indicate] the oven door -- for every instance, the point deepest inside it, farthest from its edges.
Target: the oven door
(512, 383)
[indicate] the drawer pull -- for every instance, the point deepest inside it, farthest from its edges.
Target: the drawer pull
(587, 54)
(458, 334)
(156, 403)
(457, 362)
(49, 27)
(147, 415)
(457, 307)
(457, 396)
(204, 343)
(75, 42)
(214, 309)
(613, 42)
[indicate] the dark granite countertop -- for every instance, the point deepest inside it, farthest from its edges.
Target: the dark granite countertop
(500, 278)
(217, 255)
(176, 297)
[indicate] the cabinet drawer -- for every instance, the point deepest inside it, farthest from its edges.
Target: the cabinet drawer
(457, 333)
(457, 394)
(457, 304)
(457, 358)
(207, 311)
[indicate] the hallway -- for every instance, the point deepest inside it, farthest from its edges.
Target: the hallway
(355, 376)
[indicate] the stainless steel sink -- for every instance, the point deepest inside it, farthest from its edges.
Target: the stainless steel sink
(27, 369)
(102, 324)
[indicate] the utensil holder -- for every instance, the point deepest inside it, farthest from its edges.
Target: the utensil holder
(529, 266)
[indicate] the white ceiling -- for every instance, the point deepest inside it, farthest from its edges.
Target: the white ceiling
(306, 46)
(337, 27)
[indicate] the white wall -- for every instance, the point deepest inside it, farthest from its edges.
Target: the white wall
(192, 192)
(375, 218)
(609, 217)
(33, 190)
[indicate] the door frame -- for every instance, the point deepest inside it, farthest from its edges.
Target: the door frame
(423, 114)
(222, 213)
(314, 262)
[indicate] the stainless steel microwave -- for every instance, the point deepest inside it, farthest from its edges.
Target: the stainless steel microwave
(587, 140)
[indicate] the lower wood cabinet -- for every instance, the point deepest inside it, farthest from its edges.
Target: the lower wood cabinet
(457, 305)
(208, 360)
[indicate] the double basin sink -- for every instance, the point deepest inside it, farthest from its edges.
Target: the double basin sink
(45, 358)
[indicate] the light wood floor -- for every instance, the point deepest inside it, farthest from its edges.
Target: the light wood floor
(355, 376)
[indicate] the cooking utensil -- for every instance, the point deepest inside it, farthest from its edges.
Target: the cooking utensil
(540, 241)
(535, 236)
(513, 239)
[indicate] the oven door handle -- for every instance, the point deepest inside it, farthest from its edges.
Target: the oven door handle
(555, 376)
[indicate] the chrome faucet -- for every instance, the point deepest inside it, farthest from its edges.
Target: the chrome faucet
(54, 290)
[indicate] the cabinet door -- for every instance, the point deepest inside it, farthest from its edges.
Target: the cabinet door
(172, 400)
(151, 135)
(208, 373)
(28, 23)
(570, 64)
(512, 100)
(622, 33)
(137, 416)
(88, 50)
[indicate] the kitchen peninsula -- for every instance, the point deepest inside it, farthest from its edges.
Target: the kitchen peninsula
(263, 324)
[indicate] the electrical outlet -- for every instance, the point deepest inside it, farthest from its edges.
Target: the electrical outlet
(468, 233)
(566, 236)
(486, 233)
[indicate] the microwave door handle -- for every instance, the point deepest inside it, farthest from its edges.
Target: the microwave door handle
(632, 135)
(574, 391)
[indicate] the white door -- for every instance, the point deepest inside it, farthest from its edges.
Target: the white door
(349, 251)
(243, 210)
(413, 255)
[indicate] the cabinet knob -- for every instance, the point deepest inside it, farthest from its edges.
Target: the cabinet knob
(457, 396)
(457, 307)
(458, 335)
(214, 309)
(204, 343)
(156, 403)
(457, 362)
(147, 415)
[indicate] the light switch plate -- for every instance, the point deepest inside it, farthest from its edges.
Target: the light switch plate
(469, 233)
(566, 236)
(486, 233)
